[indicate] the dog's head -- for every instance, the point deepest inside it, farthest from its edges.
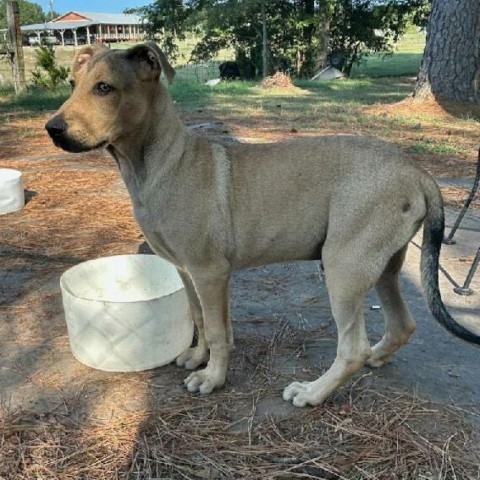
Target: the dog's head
(112, 96)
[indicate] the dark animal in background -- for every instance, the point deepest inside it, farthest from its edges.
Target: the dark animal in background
(229, 70)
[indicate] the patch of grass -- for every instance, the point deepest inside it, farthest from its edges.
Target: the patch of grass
(396, 65)
(435, 147)
(405, 61)
(190, 94)
(360, 91)
(6, 89)
(36, 99)
(308, 106)
(413, 41)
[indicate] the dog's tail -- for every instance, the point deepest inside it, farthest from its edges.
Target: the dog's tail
(433, 231)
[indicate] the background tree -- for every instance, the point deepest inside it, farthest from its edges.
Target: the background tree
(30, 12)
(324, 20)
(362, 27)
(238, 24)
(450, 67)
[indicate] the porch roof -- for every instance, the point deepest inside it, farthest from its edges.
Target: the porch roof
(85, 19)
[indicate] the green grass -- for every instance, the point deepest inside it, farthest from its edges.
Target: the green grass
(36, 99)
(405, 61)
(310, 107)
(395, 65)
(437, 148)
(359, 91)
(412, 42)
(6, 89)
(242, 96)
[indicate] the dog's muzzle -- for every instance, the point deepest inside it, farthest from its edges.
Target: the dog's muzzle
(57, 128)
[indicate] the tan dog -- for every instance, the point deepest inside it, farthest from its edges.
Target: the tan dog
(211, 208)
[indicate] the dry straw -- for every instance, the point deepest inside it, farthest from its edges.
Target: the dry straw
(371, 436)
(278, 80)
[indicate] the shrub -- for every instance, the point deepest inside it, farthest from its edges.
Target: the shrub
(48, 73)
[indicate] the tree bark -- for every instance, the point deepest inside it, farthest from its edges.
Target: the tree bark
(264, 42)
(324, 32)
(450, 68)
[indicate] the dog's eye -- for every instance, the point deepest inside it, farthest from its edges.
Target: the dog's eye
(102, 88)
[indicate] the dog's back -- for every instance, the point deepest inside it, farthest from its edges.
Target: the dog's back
(299, 191)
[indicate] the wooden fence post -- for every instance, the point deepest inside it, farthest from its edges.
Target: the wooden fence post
(15, 49)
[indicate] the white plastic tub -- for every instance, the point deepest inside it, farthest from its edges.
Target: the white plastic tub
(126, 313)
(12, 197)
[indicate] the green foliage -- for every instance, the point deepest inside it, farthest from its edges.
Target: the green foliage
(421, 13)
(48, 73)
(356, 29)
(170, 19)
(30, 12)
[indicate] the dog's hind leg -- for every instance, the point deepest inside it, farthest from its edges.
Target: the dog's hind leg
(212, 288)
(347, 284)
(198, 355)
(399, 325)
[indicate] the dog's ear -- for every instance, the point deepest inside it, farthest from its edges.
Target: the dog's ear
(83, 56)
(151, 61)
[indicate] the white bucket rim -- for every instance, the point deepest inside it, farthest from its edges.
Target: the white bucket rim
(65, 276)
(9, 174)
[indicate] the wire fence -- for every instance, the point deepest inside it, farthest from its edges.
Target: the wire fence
(6, 77)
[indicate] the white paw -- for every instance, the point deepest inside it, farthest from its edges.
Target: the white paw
(204, 381)
(192, 358)
(378, 357)
(375, 362)
(301, 394)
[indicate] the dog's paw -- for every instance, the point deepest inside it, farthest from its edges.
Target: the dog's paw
(204, 381)
(378, 357)
(302, 394)
(375, 362)
(192, 358)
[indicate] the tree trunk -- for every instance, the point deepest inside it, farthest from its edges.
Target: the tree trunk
(450, 67)
(324, 33)
(264, 42)
(306, 56)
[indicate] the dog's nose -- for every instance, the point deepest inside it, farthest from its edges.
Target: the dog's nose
(56, 126)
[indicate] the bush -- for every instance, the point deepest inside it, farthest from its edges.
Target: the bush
(48, 73)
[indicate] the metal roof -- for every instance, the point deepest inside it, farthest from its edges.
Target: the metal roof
(110, 18)
(91, 18)
(55, 26)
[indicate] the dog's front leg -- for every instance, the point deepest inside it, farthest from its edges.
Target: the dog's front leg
(193, 357)
(211, 286)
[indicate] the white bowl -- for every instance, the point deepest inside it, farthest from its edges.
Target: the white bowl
(126, 313)
(12, 197)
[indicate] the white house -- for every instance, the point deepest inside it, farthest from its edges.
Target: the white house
(75, 28)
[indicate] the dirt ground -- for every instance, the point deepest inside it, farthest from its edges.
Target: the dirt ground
(418, 415)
